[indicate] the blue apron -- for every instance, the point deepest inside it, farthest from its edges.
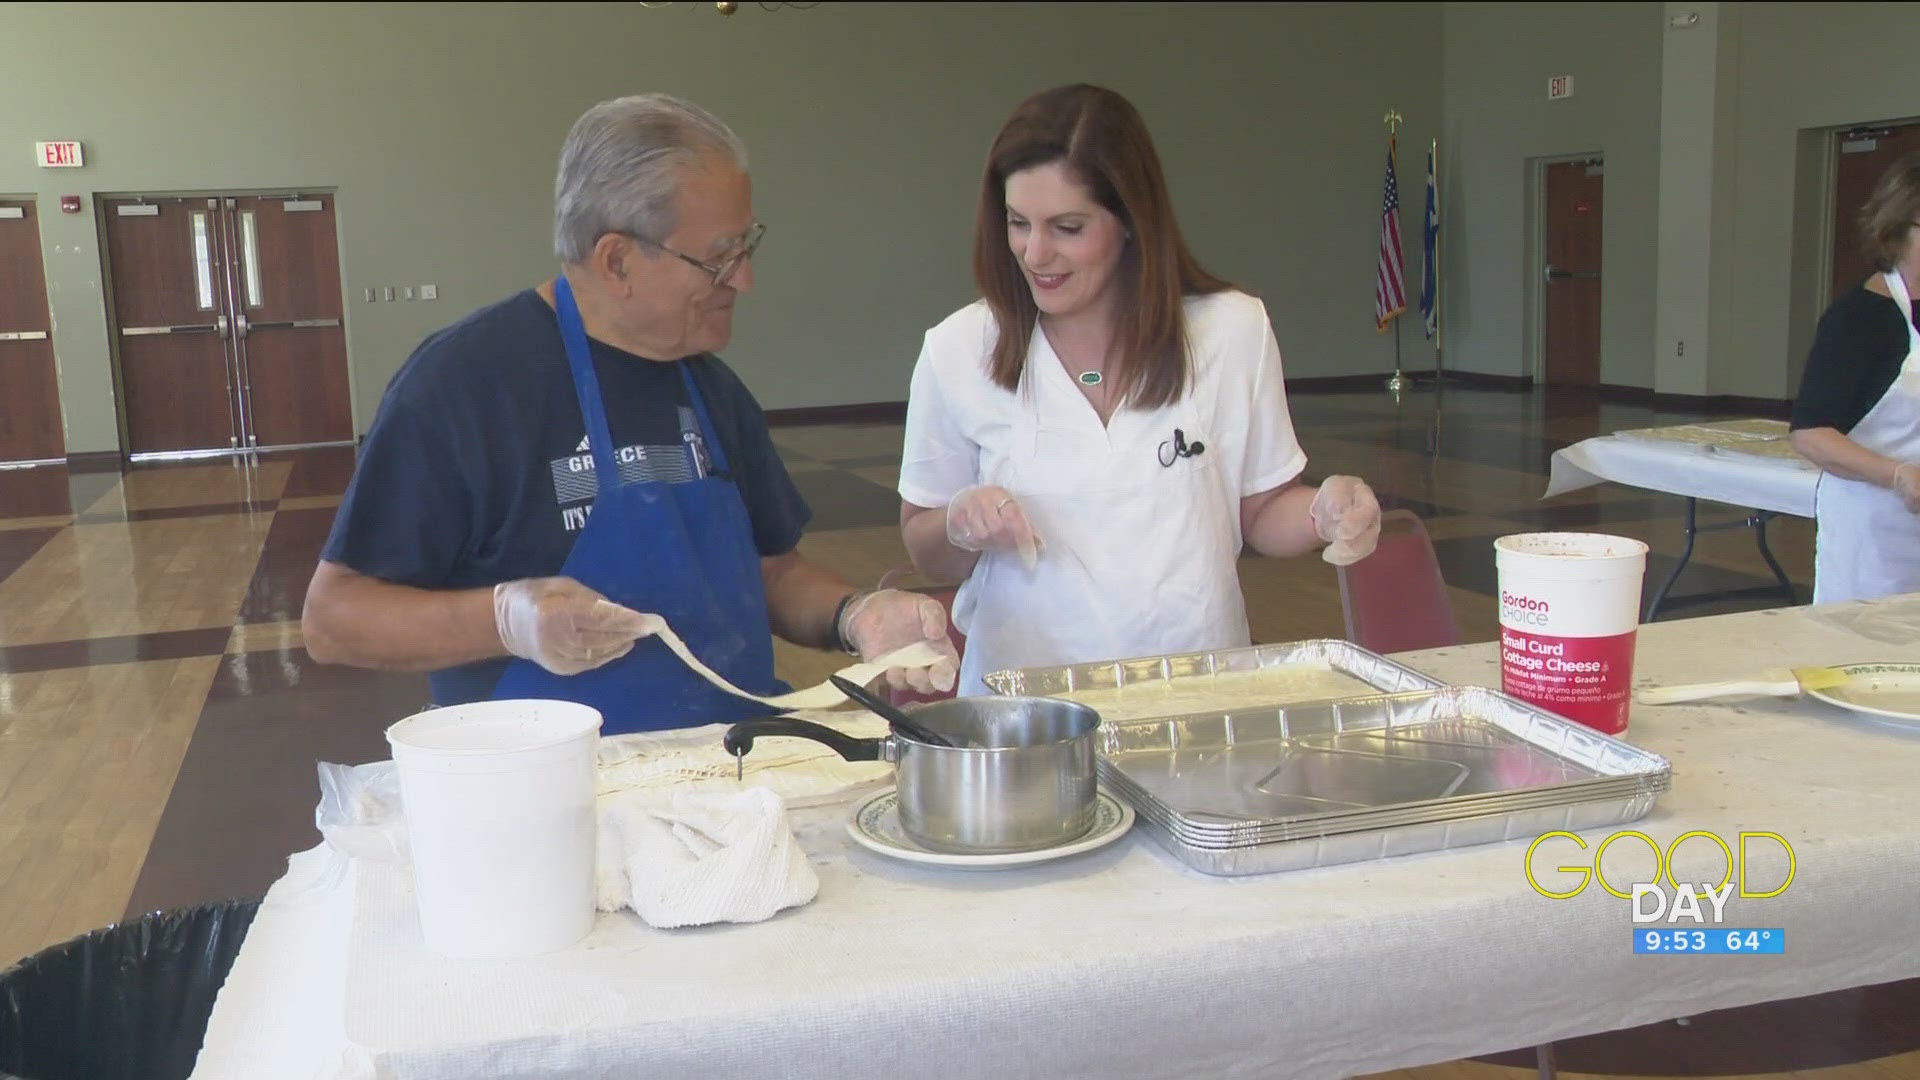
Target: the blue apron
(683, 551)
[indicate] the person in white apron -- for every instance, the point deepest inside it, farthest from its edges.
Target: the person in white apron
(1094, 474)
(1867, 505)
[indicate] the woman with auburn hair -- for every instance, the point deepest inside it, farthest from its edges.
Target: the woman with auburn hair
(1091, 443)
(1857, 415)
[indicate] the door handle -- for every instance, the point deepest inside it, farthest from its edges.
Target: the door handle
(197, 328)
(1555, 273)
(295, 324)
(23, 335)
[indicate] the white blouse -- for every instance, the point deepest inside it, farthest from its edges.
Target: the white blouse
(1139, 545)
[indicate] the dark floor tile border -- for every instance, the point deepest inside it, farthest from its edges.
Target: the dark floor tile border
(845, 500)
(879, 412)
(95, 461)
(1390, 500)
(1466, 562)
(1844, 1027)
(161, 513)
(288, 556)
(48, 490)
(1586, 516)
(290, 670)
(1421, 380)
(1728, 404)
(19, 545)
(246, 789)
(91, 652)
(318, 471)
(871, 412)
(85, 489)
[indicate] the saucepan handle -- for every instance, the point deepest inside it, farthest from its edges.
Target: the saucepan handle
(739, 738)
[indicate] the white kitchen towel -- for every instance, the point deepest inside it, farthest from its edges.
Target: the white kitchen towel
(802, 772)
(701, 857)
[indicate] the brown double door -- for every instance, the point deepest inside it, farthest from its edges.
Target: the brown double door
(227, 312)
(30, 428)
(1862, 156)
(1572, 207)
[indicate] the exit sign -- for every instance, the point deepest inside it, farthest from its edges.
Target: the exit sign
(1559, 86)
(58, 155)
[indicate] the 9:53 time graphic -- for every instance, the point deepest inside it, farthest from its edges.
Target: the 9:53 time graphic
(1726, 941)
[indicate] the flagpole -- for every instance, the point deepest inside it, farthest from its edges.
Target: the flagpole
(1398, 383)
(1399, 380)
(1439, 352)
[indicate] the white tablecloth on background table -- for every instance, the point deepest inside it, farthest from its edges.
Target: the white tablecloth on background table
(1123, 963)
(1784, 485)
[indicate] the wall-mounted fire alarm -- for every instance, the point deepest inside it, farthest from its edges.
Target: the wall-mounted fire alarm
(69, 204)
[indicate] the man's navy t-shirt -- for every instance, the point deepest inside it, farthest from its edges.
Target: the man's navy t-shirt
(476, 469)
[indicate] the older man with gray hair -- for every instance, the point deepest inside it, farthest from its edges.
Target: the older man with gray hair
(554, 475)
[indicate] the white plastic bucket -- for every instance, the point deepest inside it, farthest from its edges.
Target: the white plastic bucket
(1569, 610)
(500, 818)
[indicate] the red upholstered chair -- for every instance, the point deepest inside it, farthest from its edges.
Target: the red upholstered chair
(1395, 599)
(906, 577)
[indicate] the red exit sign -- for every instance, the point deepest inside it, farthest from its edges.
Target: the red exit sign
(58, 155)
(1560, 86)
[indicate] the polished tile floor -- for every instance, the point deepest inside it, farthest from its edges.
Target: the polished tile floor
(160, 720)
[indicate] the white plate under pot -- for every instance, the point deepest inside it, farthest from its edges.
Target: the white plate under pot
(875, 825)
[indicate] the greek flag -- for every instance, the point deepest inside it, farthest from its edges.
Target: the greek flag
(1430, 266)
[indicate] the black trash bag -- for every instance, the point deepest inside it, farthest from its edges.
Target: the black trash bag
(126, 1002)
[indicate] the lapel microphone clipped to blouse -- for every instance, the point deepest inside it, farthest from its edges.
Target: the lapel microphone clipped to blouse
(1178, 448)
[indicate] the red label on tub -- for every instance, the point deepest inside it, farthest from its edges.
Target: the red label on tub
(1587, 679)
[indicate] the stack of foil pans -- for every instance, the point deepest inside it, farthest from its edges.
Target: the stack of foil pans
(1256, 789)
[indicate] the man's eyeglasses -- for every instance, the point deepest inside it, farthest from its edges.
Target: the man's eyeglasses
(728, 265)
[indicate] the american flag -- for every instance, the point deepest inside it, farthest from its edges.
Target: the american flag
(1389, 280)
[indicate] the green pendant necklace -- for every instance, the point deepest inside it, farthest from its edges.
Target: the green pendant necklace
(1090, 378)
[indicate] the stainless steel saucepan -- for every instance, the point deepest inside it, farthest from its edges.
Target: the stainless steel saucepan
(1020, 776)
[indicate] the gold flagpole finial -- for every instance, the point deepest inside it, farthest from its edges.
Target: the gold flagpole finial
(1393, 120)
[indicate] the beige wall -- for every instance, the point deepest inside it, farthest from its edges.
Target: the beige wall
(1799, 67)
(1717, 174)
(438, 124)
(1498, 58)
(1691, 106)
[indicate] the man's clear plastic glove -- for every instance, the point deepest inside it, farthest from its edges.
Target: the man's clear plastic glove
(1906, 484)
(1347, 516)
(877, 623)
(564, 626)
(986, 518)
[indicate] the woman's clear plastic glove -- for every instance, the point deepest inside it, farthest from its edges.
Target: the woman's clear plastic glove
(986, 518)
(878, 623)
(1347, 516)
(564, 626)
(1906, 484)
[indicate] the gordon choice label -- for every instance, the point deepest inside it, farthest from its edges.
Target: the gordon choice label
(1569, 609)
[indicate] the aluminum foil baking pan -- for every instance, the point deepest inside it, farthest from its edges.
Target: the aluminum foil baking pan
(1308, 852)
(1258, 675)
(1452, 759)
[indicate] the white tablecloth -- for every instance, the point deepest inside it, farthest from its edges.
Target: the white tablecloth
(1123, 963)
(1784, 485)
